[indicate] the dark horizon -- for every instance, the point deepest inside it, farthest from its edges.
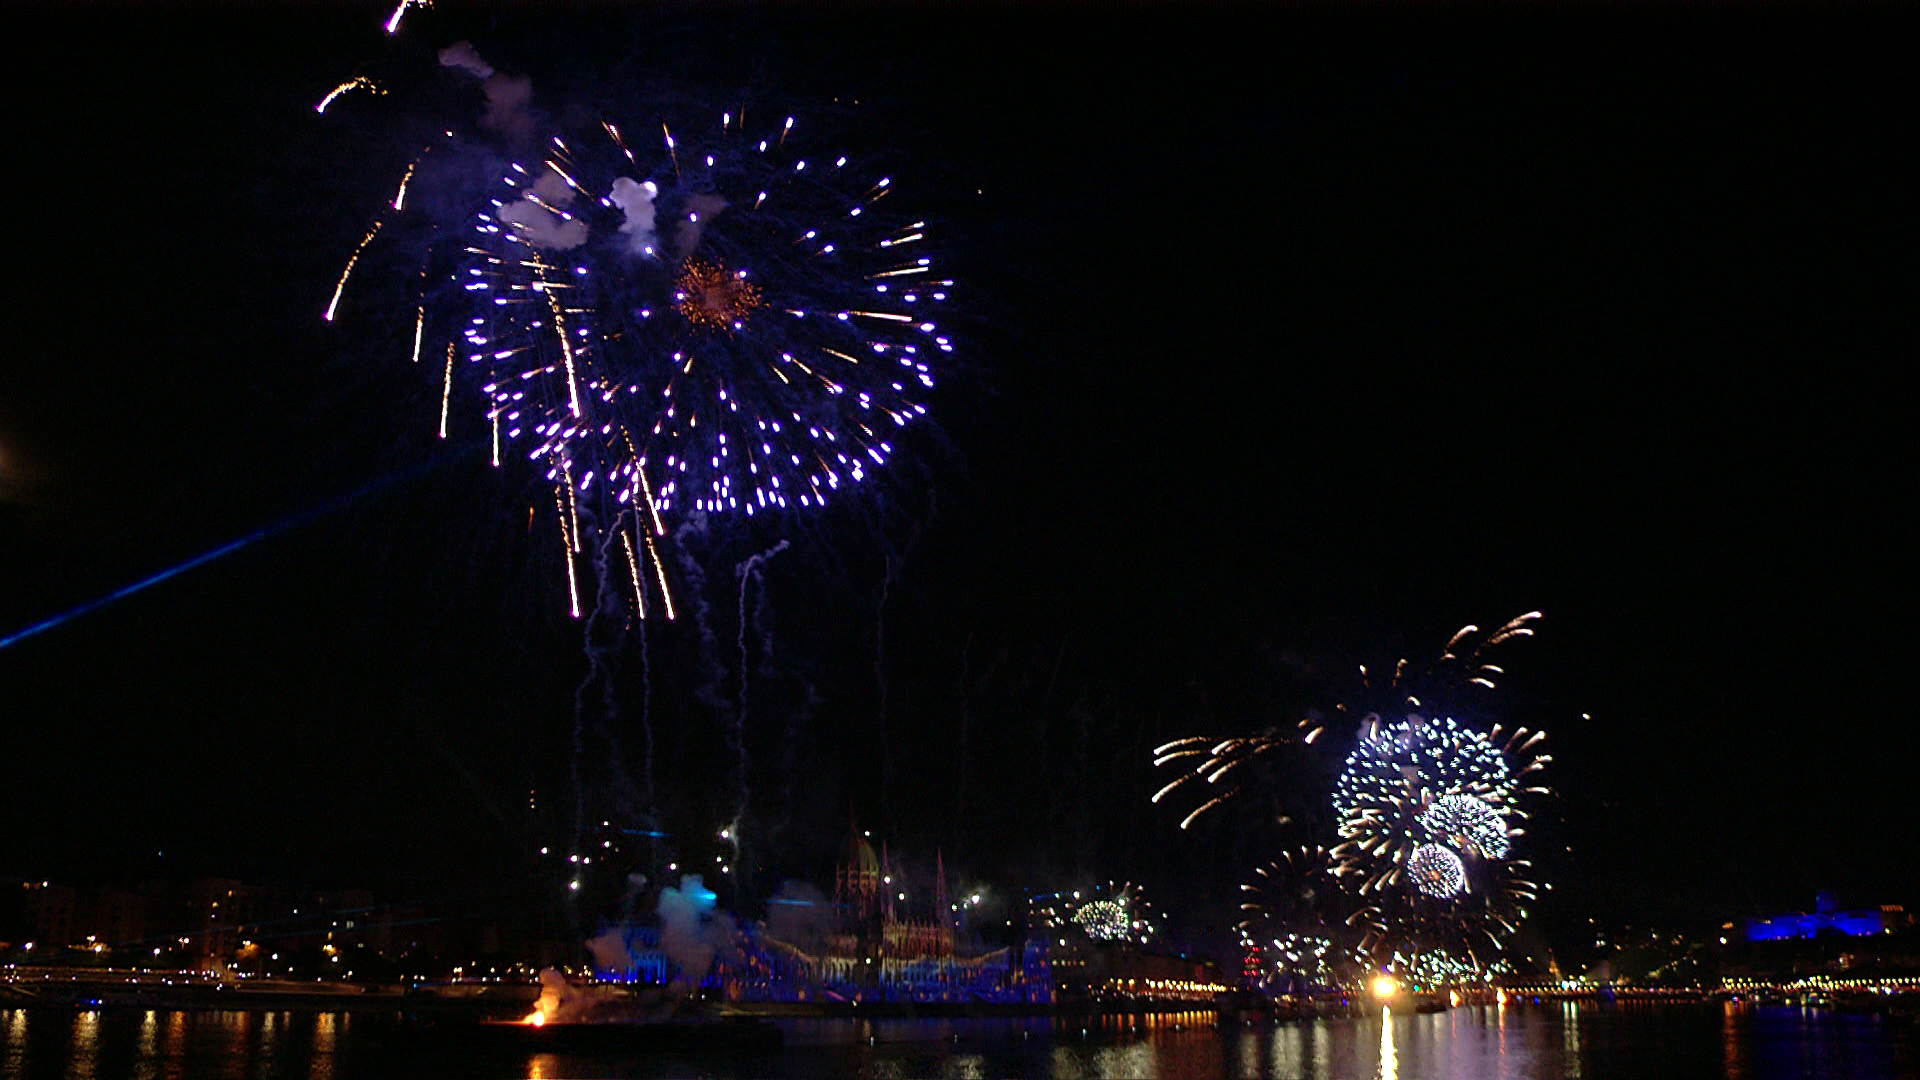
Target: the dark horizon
(1290, 343)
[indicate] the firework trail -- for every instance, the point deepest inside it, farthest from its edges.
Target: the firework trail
(598, 759)
(1217, 759)
(393, 21)
(596, 673)
(1465, 661)
(1301, 896)
(360, 82)
(1307, 930)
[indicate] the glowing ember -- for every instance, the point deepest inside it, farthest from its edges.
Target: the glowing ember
(712, 298)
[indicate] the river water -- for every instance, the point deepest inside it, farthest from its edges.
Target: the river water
(1547, 1042)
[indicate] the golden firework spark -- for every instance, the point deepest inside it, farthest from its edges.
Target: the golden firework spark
(710, 297)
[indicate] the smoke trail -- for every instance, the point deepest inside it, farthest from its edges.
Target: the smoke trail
(880, 684)
(646, 728)
(894, 565)
(713, 674)
(1082, 745)
(603, 639)
(880, 671)
(747, 571)
(611, 603)
(595, 671)
(966, 717)
(797, 721)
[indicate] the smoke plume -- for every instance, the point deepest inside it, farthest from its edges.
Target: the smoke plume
(636, 202)
(691, 931)
(541, 226)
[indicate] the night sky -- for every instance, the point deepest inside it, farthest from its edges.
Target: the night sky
(1293, 341)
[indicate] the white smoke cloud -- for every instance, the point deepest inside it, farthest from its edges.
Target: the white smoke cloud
(509, 111)
(561, 1002)
(509, 108)
(610, 952)
(691, 931)
(700, 209)
(541, 226)
(552, 189)
(635, 200)
(463, 55)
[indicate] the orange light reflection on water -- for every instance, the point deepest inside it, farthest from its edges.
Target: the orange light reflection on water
(1389, 1061)
(86, 1045)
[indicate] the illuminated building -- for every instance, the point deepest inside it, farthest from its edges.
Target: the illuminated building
(884, 946)
(1827, 919)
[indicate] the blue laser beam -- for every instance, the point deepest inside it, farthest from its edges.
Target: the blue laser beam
(122, 593)
(222, 551)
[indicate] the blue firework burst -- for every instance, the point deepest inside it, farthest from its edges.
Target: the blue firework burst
(723, 325)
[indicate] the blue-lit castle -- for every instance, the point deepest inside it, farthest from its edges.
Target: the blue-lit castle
(1826, 918)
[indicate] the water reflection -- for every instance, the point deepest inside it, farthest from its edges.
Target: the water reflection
(13, 1043)
(1135, 1060)
(1570, 1040)
(1389, 1062)
(1730, 1041)
(239, 1027)
(323, 1038)
(1287, 1056)
(1517, 1042)
(86, 1045)
(1501, 1027)
(172, 1044)
(965, 1067)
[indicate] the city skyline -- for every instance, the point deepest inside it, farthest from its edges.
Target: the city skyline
(1262, 378)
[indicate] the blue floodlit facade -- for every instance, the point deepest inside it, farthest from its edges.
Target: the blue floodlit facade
(1826, 918)
(874, 950)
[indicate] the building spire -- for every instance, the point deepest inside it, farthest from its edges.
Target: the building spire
(942, 906)
(886, 880)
